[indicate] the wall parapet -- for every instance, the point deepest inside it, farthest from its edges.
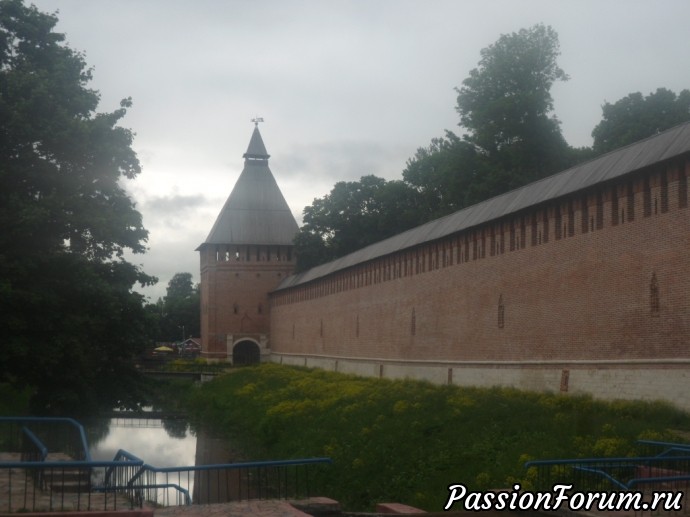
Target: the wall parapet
(641, 194)
(666, 380)
(468, 363)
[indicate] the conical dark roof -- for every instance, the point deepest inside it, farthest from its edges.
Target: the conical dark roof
(256, 211)
(256, 149)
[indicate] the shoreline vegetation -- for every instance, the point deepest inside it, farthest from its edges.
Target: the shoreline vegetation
(407, 441)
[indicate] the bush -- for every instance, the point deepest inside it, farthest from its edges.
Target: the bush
(406, 440)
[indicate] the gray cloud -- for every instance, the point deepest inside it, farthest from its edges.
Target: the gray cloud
(174, 206)
(347, 87)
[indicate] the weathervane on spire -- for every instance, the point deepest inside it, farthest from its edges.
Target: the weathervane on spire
(256, 121)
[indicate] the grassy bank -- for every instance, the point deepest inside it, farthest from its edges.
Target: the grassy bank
(406, 440)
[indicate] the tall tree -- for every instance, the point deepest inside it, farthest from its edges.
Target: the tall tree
(635, 117)
(506, 107)
(354, 215)
(444, 175)
(180, 309)
(512, 138)
(72, 319)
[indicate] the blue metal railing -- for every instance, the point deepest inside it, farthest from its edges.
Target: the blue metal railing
(43, 485)
(56, 433)
(235, 481)
(212, 483)
(31, 480)
(669, 448)
(55, 486)
(605, 474)
(131, 474)
(33, 449)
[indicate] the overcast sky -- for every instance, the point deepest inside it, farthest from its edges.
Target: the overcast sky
(346, 88)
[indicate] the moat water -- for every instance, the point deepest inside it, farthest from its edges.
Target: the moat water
(158, 442)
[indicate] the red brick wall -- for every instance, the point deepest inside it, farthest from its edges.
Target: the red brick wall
(581, 291)
(234, 292)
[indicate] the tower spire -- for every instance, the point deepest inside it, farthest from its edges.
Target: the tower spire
(256, 149)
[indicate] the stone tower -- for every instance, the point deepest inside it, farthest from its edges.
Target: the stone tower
(245, 256)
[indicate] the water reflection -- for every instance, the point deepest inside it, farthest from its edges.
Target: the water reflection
(216, 485)
(161, 443)
(170, 443)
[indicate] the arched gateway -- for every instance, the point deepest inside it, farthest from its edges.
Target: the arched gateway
(246, 352)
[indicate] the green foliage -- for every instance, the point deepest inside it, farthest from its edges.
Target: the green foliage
(194, 365)
(177, 315)
(512, 138)
(635, 117)
(407, 440)
(507, 98)
(354, 215)
(506, 106)
(444, 175)
(72, 320)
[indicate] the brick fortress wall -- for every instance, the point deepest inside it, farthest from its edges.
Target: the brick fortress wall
(588, 293)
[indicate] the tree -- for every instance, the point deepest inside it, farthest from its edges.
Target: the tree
(444, 175)
(73, 322)
(635, 117)
(180, 309)
(506, 106)
(512, 138)
(354, 215)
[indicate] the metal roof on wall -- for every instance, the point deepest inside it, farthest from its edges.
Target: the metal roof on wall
(666, 145)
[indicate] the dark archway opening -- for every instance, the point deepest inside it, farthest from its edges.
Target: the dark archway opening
(246, 352)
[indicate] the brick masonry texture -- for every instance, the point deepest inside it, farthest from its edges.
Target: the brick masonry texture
(595, 281)
(234, 293)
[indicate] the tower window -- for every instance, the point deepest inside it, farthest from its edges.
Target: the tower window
(614, 206)
(584, 210)
(501, 312)
(631, 202)
(557, 224)
(654, 304)
(647, 199)
(682, 189)
(600, 211)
